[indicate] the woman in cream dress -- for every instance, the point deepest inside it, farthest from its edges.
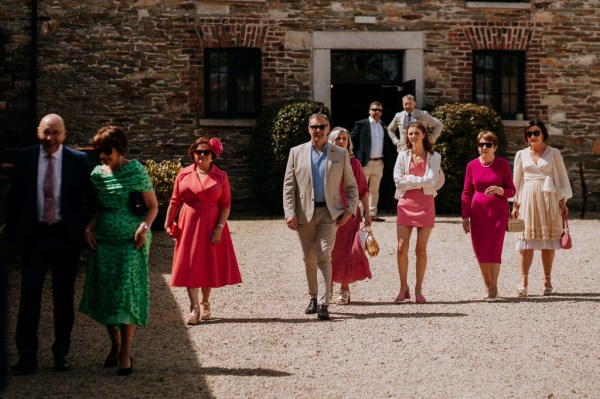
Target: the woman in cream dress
(543, 189)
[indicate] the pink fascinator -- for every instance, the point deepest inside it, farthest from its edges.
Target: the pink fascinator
(216, 146)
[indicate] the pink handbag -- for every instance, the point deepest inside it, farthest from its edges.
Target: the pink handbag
(565, 238)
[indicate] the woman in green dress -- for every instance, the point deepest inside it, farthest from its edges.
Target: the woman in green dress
(116, 290)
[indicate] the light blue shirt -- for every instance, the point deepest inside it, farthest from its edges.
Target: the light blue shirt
(318, 163)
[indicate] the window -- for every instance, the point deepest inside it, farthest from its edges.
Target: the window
(232, 83)
(499, 81)
(367, 66)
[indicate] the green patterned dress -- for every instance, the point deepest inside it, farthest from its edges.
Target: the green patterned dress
(116, 286)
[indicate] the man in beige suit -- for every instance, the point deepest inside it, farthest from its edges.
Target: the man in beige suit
(411, 114)
(313, 205)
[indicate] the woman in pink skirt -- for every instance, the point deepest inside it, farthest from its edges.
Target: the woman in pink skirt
(348, 260)
(416, 175)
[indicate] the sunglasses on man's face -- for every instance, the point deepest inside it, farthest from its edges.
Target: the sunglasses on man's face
(376, 109)
(318, 127)
(488, 145)
(531, 133)
(203, 152)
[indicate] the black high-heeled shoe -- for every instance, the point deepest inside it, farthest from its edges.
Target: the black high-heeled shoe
(128, 370)
(111, 360)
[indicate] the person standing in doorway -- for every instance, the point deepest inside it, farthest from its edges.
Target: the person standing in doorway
(411, 114)
(49, 194)
(372, 147)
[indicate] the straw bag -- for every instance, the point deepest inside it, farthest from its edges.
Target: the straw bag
(515, 226)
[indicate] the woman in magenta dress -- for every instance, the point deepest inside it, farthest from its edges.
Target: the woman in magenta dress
(488, 185)
(416, 175)
(204, 257)
(348, 260)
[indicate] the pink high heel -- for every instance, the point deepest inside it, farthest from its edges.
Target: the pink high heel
(420, 299)
(402, 297)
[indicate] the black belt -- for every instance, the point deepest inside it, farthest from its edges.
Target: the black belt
(318, 204)
(376, 159)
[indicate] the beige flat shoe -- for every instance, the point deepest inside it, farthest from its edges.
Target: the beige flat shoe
(547, 286)
(205, 311)
(194, 316)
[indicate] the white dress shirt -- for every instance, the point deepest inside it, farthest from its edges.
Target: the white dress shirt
(376, 139)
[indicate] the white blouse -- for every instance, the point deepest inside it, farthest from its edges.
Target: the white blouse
(550, 168)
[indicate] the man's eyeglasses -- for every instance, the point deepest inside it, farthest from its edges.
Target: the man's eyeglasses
(318, 127)
(535, 133)
(488, 145)
(203, 152)
(376, 109)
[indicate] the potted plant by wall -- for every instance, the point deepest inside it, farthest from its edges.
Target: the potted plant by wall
(162, 174)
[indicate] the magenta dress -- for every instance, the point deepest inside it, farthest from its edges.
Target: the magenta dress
(488, 213)
(348, 260)
(416, 208)
(196, 262)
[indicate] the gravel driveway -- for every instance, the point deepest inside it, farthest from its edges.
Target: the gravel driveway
(261, 344)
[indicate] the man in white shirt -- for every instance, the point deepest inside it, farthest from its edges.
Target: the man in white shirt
(371, 146)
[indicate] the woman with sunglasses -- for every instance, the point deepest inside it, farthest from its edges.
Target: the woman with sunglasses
(543, 189)
(116, 290)
(204, 257)
(487, 187)
(348, 260)
(416, 175)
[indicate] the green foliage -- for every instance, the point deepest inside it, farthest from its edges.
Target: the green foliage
(280, 127)
(163, 176)
(458, 146)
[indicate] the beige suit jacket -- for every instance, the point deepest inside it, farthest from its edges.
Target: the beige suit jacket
(298, 192)
(434, 125)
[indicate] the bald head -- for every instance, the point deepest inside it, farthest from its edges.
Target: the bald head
(51, 132)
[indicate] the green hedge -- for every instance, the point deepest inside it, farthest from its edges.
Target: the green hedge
(457, 145)
(280, 127)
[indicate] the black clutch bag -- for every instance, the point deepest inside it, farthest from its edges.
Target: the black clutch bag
(137, 204)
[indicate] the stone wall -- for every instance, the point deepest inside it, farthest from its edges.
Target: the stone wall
(140, 63)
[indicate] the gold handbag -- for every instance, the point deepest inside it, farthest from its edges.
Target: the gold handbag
(371, 244)
(515, 226)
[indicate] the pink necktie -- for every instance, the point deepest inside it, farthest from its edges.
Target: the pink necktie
(49, 208)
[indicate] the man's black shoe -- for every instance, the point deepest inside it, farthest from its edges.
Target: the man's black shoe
(24, 367)
(312, 306)
(323, 313)
(61, 363)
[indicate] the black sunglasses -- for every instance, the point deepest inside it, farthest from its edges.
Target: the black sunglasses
(376, 109)
(535, 133)
(104, 150)
(203, 152)
(318, 127)
(488, 145)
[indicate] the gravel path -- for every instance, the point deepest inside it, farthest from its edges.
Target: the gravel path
(261, 344)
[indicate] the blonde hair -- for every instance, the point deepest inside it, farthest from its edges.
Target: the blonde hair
(334, 135)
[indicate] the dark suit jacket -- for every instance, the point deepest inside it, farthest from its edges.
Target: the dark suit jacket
(361, 140)
(75, 194)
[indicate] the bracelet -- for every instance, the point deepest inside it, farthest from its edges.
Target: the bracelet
(221, 226)
(143, 226)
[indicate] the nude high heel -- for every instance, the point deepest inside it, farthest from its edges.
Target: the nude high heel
(547, 286)
(522, 291)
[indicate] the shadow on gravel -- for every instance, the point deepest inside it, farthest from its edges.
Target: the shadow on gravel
(165, 362)
(259, 372)
(396, 315)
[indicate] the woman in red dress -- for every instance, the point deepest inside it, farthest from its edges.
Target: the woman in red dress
(488, 185)
(416, 175)
(348, 260)
(204, 257)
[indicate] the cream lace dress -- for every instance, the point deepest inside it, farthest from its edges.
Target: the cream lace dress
(539, 188)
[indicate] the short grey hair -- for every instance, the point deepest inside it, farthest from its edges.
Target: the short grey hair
(334, 135)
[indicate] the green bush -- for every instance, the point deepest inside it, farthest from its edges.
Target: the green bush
(163, 174)
(280, 127)
(458, 146)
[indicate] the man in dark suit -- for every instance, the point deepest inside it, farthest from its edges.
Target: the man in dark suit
(376, 153)
(46, 218)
